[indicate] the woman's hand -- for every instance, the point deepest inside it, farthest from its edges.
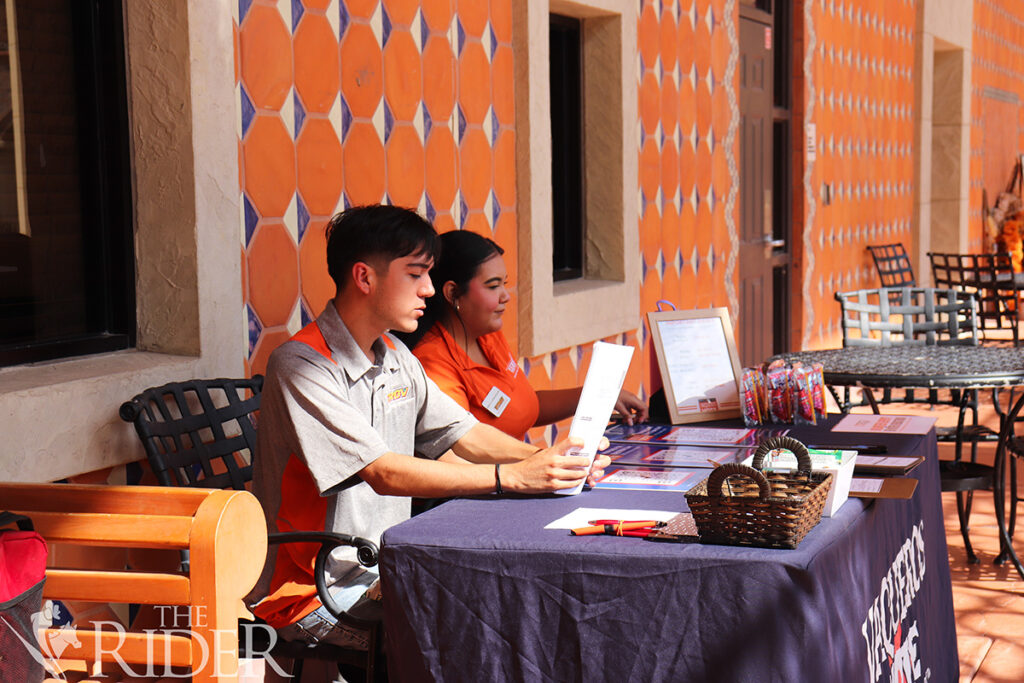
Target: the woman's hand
(631, 407)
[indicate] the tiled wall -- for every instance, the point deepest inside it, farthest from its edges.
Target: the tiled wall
(857, 81)
(689, 150)
(997, 117)
(349, 102)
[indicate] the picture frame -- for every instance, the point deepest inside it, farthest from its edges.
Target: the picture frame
(698, 362)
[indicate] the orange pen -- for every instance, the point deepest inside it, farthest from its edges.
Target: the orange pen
(615, 528)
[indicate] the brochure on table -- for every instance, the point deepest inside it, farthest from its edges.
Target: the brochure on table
(649, 478)
(664, 455)
(689, 436)
(608, 367)
(887, 464)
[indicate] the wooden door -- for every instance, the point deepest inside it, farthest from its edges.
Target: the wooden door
(756, 320)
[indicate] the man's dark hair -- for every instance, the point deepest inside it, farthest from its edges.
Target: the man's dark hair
(376, 235)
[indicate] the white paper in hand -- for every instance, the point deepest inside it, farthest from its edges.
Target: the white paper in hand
(601, 388)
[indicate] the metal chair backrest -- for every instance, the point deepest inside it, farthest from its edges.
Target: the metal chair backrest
(990, 277)
(202, 433)
(908, 315)
(198, 432)
(893, 265)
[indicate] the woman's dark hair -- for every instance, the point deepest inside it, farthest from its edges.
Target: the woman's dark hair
(376, 233)
(462, 254)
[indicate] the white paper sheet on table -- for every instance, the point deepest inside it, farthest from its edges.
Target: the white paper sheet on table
(884, 460)
(601, 388)
(581, 517)
(885, 424)
(864, 485)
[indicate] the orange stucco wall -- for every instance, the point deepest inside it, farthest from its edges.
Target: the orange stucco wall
(997, 88)
(856, 77)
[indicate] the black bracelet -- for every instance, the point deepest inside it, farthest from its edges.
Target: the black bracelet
(497, 479)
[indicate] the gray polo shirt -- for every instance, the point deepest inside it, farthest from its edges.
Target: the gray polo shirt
(326, 412)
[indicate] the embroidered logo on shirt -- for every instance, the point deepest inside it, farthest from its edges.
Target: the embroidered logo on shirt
(512, 368)
(397, 394)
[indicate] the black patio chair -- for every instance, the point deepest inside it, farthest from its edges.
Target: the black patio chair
(991, 278)
(893, 265)
(926, 316)
(202, 433)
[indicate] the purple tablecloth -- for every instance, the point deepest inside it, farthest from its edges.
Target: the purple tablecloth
(478, 590)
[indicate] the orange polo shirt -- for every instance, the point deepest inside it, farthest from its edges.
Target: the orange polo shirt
(469, 383)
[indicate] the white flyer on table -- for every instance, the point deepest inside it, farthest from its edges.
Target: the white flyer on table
(601, 388)
(885, 424)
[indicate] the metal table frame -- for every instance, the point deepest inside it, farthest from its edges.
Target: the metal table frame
(939, 367)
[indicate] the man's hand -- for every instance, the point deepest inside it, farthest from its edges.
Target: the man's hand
(631, 407)
(550, 469)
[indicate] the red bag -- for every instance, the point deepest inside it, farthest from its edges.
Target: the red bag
(22, 574)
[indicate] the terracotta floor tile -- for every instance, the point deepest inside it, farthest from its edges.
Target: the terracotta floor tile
(1004, 663)
(972, 650)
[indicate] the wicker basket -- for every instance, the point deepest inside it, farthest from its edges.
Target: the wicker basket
(763, 509)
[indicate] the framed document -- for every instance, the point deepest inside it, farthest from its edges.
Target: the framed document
(698, 362)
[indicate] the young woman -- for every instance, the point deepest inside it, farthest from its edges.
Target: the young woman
(462, 348)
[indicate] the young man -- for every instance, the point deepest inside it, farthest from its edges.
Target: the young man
(343, 409)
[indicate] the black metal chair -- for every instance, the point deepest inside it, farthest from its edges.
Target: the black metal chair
(998, 288)
(926, 316)
(202, 433)
(991, 278)
(893, 265)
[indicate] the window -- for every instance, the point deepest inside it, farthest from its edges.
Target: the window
(567, 210)
(600, 297)
(66, 259)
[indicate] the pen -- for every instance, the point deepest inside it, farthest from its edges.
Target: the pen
(647, 522)
(614, 529)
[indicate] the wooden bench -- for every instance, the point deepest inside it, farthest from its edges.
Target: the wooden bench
(224, 532)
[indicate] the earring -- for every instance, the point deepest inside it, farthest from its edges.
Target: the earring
(456, 306)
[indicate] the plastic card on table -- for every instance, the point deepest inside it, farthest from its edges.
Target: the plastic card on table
(840, 463)
(608, 366)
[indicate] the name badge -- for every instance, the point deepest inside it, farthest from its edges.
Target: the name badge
(496, 401)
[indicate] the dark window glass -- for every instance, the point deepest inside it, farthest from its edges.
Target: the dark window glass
(566, 147)
(66, 258)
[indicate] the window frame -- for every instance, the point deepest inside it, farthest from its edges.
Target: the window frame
(98, 47)
(605, 301)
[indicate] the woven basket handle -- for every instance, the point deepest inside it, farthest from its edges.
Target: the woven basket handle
(785, 443)
(723, 472)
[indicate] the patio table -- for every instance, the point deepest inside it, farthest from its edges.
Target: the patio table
(938, 367)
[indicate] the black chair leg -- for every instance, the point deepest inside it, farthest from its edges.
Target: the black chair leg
(963, 510)
(1013, 495)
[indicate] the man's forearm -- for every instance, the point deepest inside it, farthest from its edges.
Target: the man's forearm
(485, 444)
(400, 475)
